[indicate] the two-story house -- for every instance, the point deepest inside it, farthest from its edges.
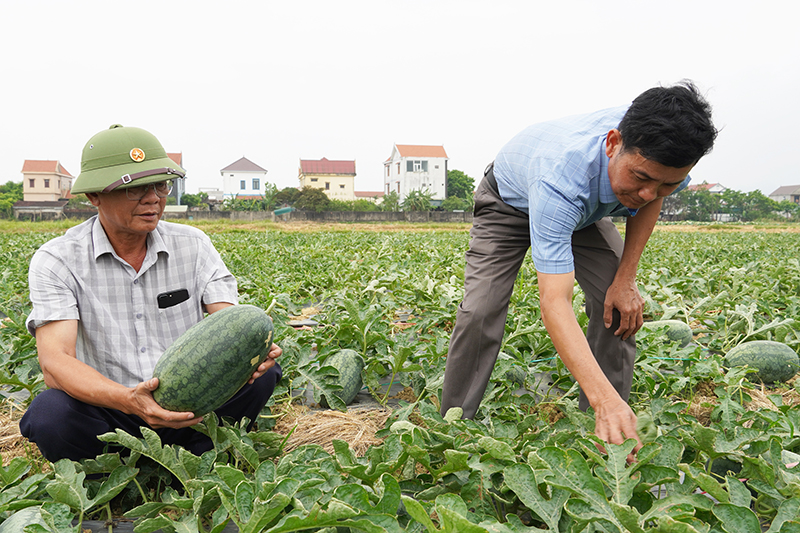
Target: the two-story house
(45, 181)
(416, 167)
(243, 179)
(336, 178)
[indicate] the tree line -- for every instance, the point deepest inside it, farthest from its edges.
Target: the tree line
(687, 205)
(459, 197)
(729, 206)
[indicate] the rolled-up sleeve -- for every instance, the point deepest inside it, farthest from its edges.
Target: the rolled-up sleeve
(220, 285)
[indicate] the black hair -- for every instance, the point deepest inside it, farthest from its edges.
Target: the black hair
(669, 125)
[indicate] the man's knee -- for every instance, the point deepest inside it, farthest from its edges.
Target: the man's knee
(47, 415)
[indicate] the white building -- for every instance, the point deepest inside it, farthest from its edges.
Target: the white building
(243, 179)
(416, 167)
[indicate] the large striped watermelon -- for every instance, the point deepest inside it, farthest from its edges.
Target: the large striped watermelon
(774, 361)
(676, 330)
(349, 363)
(213, 359)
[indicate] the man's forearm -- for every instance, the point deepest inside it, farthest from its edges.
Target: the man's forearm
(637, 232)
(569, 340)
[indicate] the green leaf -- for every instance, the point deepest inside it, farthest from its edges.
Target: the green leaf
(735, 519)
(497, 449)
(9, 475)
(388, 489)
(706, 483)
(521, 479)
(418, 513)
(629, 517)
(58, 518)
(67, 487)
(569, 471)
(789, 510)
(739, 493)
(453, 522)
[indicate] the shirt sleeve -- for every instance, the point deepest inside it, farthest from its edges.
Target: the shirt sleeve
(220, 285)
(553, 219)
(50, 292)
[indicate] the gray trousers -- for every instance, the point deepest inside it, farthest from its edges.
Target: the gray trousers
(500, 238)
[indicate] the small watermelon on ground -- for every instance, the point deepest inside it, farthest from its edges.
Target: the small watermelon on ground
(676, 331)
(773, 360)
(349, 363)
(213, 359)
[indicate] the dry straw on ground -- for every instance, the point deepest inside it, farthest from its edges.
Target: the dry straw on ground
(357, 427)
(12, 444)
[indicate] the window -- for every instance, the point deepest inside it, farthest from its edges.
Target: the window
(435, 166)
(256, 184)
(46, 183)
(398, 187)
(314, 180)
(387, 171)
(241, 185)
(32, 183)
(416, 166)
(398, 168)
(327, 185)
(341, 185)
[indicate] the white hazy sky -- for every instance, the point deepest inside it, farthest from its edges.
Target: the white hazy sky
(277, 82)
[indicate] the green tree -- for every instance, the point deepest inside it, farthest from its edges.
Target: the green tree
(312, 199)
(194, 200)
(287, 196)
(699, 205)
(391, 202)
(352, 205)
(789, 209)
(459, 184)
(454, 203)
(733, 203)
(757, 206)
(264, 202)
(418, 200)
(10, 193)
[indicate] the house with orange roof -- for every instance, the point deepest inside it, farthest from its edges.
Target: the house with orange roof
(416, 167)
(335, 177)
(45, 181)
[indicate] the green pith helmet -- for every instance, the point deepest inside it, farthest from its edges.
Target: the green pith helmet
(121, 157)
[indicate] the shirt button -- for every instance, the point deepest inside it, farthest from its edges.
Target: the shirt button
(136, 282)
(143, 349)
(138, 315)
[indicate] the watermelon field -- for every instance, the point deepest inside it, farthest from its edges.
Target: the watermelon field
(722, 456)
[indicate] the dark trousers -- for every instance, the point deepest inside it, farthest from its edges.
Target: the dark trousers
(500, 238)
(63, 427)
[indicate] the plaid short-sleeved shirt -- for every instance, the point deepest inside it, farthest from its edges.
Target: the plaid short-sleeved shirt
(121, 330)
(557, 172)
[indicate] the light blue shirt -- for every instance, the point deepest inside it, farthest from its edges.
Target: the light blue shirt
(557, 173)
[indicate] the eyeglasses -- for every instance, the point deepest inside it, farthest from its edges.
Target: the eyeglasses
(162, 190)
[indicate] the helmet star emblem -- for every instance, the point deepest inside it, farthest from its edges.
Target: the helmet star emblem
(137, 154)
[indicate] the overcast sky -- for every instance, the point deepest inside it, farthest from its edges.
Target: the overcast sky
(277, 82)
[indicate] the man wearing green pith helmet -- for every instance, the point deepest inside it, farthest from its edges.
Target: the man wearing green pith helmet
(111, 294)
